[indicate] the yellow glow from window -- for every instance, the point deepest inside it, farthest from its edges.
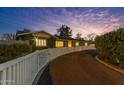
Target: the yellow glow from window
(59, 44)
(69, 43)
(77, 43)
(86, 44)
(41, 42)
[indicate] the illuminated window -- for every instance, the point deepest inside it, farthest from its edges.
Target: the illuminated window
(36, 42)
(69, 43)
(41, 42)
(77, 43)
(86, 44)
(59, 44)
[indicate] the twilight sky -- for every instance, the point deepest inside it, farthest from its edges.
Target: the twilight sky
(80, 20)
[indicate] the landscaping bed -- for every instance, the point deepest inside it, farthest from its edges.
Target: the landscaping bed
(110, 62)
(107, 60)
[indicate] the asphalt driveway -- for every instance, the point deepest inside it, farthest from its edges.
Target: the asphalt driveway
(80, 68)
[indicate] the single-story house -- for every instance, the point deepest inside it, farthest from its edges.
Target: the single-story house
(43, 39)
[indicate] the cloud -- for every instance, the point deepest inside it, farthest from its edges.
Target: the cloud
(83, 20)
(80, 20)
(88, 21)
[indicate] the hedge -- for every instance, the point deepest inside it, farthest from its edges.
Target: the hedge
(8, 52)
(111, 45)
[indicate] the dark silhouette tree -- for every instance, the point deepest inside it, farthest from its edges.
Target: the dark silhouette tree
(18, 32)
(64, 32)
(91, 37)
(22, 31)
(8, 36)
(78, 36)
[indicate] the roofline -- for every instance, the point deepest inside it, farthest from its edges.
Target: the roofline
(48, 34)
(37, 32)
(24, 33)
(69, 39)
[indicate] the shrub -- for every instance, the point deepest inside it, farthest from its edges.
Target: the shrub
(22, 48)
(8, 52)
(111, 45)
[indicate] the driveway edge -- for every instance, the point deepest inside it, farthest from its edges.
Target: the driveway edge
(110, 65)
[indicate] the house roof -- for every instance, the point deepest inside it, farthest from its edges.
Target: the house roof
(42, 31)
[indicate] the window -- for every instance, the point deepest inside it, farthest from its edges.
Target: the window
(59, 44)
(41, 42)
(69, 43)
(86, 44)
(77, 44)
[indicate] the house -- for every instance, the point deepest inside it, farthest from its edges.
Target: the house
(38, 38)
(42, 39)
(57, 43)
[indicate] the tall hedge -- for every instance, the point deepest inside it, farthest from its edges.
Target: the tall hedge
(8, 52)
(111, 45)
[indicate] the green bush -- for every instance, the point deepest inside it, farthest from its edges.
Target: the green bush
(111, 45)
(8, 52)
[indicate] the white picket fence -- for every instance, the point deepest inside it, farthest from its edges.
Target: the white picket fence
(23, 70)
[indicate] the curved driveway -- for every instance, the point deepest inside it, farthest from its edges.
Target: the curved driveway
(82, 68)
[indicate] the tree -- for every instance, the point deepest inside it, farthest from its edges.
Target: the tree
(8, 36)
(23, 31)
(56, 35)
(91, 37)
(18, 32)
(78, 36)
(64, 32)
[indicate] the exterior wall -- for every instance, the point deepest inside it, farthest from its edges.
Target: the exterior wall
(81, 43)
(51, 43)
(65, 43)
(93, 45)
(24, 70)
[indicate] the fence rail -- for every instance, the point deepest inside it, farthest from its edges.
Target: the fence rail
(23, 70)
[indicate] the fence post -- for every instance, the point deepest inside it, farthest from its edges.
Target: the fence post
(10, 75)
(4, 77)
(14, 75)
(38, 60)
